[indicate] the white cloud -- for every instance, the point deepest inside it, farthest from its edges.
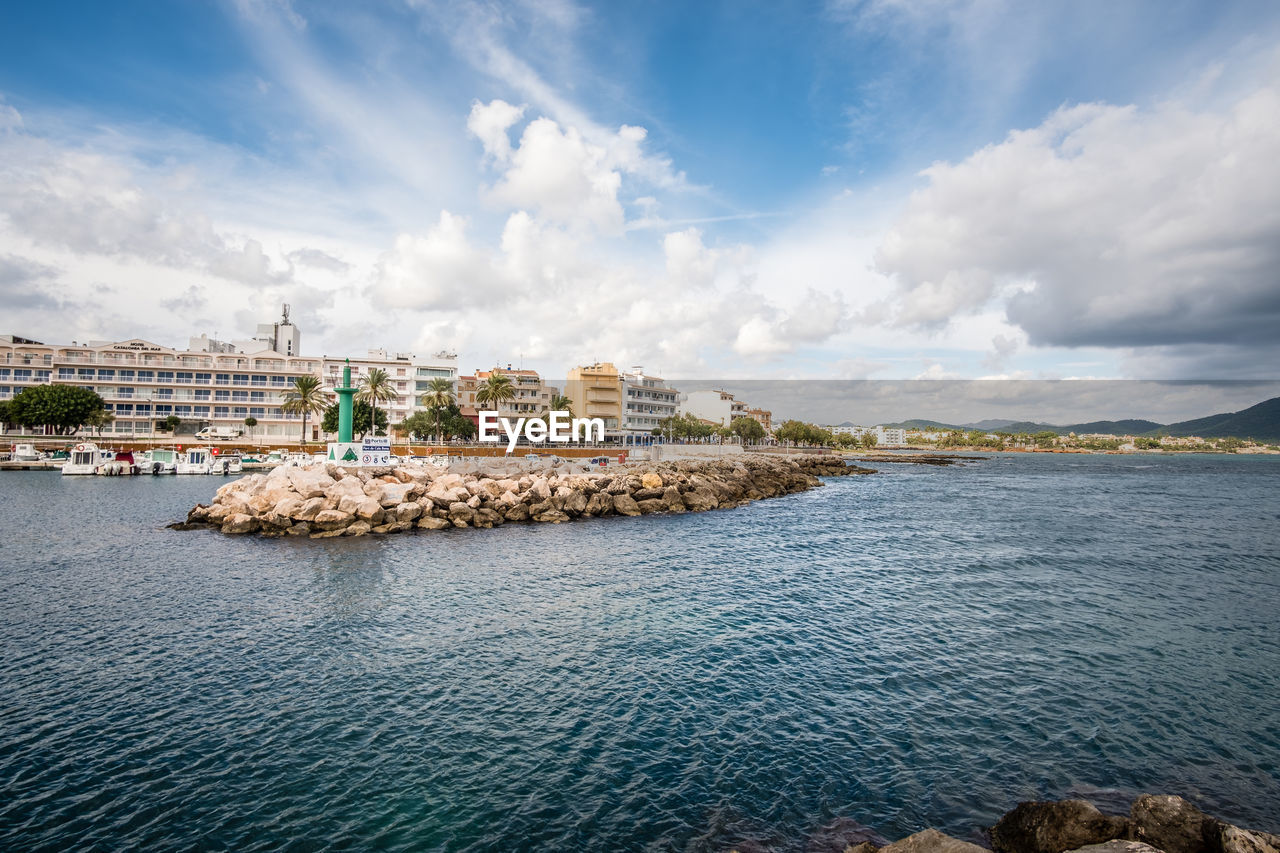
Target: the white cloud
(1105, 225)
(490, 124)
(438, 270)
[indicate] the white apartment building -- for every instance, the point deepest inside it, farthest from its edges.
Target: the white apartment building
(212, 383)
(716, 406)
(647, 401)
(409, 375)
(885, 436)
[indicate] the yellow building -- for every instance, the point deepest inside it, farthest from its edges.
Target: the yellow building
(596, 392)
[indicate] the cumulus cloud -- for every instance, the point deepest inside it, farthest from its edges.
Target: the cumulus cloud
(437, 270)
(491, 123)
(1104, 226)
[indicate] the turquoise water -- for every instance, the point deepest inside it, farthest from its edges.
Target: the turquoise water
(924, 647)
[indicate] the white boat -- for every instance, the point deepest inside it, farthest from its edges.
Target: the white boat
(161, 460)
(197, 460)
(228, 463)
(123, 463)
(25, 453)
(85, 459)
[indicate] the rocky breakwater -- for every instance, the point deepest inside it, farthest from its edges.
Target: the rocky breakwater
(327, 500)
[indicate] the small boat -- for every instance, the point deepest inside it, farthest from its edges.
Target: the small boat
(228, 463)
(161, 460)
(275, 457)
(197, 460)
(25, 453)
(121, 464)
(85, 459)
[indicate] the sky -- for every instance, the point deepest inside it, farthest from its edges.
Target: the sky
(856, 189)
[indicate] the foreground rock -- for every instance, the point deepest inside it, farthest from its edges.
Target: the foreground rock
(1155, 824)
(327, 500)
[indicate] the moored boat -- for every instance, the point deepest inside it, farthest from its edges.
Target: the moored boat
(228, 463)
(85, 459)
(161, 460)
(197, 460)
(121, 464)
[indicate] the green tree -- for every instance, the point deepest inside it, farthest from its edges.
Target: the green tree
(747, 429)
(249, 423)
(63, 408)
(305, 397)
(870, 439)
(438, 397)
(495, 391)
(376, 387)
(5, 417)
(420, 426)
(171, 423)
(362, 419)
(99, 420)
(448, 423)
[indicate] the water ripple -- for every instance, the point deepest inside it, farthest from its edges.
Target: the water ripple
(924, 647)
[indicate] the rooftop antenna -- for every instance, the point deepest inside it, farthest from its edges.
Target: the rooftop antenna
(286, 314)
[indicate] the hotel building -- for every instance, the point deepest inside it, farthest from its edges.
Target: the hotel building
(212, 383)
(647, 402)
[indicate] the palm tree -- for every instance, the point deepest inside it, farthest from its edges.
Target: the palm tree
(375, 388)
(561, 403)
(439, 396)
(495, 391)
(305, 398)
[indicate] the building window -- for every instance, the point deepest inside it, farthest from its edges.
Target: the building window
(146, 376)
(164, 375)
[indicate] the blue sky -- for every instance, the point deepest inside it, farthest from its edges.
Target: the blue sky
(881, 189)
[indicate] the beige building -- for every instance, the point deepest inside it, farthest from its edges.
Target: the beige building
(596, 392)
(532, 395)
(764, 417)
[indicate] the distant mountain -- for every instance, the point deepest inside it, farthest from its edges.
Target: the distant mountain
(1133, 426)
(916, 423)
(1261, 422)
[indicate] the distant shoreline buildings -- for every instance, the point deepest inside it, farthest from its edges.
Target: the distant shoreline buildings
(215, 383)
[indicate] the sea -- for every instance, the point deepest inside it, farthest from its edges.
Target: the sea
(922, 647)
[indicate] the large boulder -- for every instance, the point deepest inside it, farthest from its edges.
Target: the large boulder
(331, 519)
(553, 516)
(460, 514)
(1233, 839)
(408, 511)
(240, 523)
(309, 509)
(519, 512)
(1171, 824)
(651, 480)
(357, 528)
(1117, 846)
(307, 482)
(600, 503)
(932, 841)
(653, 505)
(624, 504)
(700, 500)
(673, 499)
(1055, 827)
(430, 522)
